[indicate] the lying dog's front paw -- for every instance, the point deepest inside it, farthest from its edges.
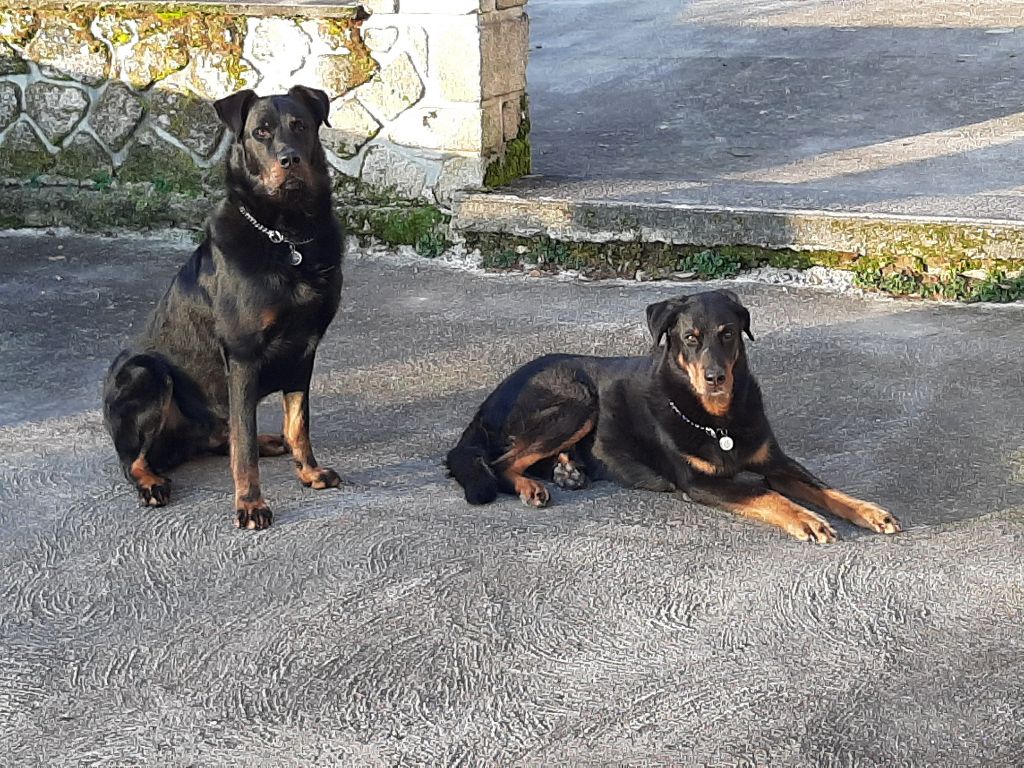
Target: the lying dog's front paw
(532, 493)
(567, 474)
(877, 519)
(155, 492)
(253, 515)
(318, 478)
(808, 526)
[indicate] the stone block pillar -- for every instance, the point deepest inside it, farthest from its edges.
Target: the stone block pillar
(471, 118)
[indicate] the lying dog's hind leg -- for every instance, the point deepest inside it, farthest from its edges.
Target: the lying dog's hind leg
(555, 410)
(568, 473)
(521, 456)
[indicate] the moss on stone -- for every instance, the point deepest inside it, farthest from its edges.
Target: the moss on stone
(909, 276)
(83, 158)
(18, 23)
(517, 158)
(355, 67)
(23, 155)
(167, 168)
(11, 62)
(424, 227)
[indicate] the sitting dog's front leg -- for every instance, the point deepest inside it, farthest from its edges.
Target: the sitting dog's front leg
(243, 393)
(296, 434)
(788, 476)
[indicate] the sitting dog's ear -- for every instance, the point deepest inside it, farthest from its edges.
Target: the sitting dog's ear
(741, 311)
(232, 110)
(662, 315)
(316, 100)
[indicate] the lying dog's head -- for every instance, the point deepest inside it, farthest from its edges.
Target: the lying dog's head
(703, 342)
(276, 152)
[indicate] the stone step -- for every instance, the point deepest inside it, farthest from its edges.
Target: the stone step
(882, 237)
(934, 257)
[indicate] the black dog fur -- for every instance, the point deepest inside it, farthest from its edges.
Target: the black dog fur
(239, 321)
(566, 417)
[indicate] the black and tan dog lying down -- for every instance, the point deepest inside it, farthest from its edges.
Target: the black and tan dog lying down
(687, 418)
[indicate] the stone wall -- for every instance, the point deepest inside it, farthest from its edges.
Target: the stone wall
(428, 96)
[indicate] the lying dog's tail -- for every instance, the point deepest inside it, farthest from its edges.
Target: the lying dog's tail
(467, 463)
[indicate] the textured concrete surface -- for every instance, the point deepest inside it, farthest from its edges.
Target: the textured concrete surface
(870, 106)
(390, 624)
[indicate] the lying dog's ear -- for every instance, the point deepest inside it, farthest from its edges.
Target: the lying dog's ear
(232, 110)
(662, 315)
(741, 311)
(316, 100)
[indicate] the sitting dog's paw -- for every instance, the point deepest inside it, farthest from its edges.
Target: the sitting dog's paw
(154, 491)
(567, 474)
(532, 493)
(253, 515)
(319, 478)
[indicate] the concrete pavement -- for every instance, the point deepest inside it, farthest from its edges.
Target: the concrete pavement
(882, 107)
(390, 624)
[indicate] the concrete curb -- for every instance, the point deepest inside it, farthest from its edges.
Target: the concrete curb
(875, 236)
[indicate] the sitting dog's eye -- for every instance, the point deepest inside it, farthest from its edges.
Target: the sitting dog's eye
(690, 339)
(298, 126)
(727, 334)
(261, 133)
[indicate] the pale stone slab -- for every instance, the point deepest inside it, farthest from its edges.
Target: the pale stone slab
(10, 103)
(66, 51)
(116, 115)
(453, 128)
(381, 40)
(455, 62)
(393, 90)
(57, 109)
(352, 126)
(387, 170)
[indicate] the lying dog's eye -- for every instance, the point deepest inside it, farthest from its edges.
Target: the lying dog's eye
(690, 339)
(298, 126)
(726, 335)
(261, 133)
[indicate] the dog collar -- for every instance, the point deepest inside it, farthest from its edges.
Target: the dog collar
(724, 441)
(274, 236)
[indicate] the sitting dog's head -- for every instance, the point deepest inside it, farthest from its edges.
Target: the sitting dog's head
(276, 152)
(703, 342)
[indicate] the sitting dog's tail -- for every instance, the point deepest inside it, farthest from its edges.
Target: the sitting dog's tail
(467, 463)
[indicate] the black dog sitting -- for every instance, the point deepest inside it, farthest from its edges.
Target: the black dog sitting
(687, 418)
(243, 316)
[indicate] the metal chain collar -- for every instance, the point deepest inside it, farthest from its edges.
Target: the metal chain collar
(724, 441)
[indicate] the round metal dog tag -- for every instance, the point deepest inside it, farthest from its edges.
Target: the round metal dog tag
(296, 258)
(725, 443)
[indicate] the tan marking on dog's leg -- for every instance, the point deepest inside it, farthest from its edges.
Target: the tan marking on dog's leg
(521, 457)
(154, 490)
(775, 509)
(762, 454)
(859, 512)
(699, 464)
(296, 435)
